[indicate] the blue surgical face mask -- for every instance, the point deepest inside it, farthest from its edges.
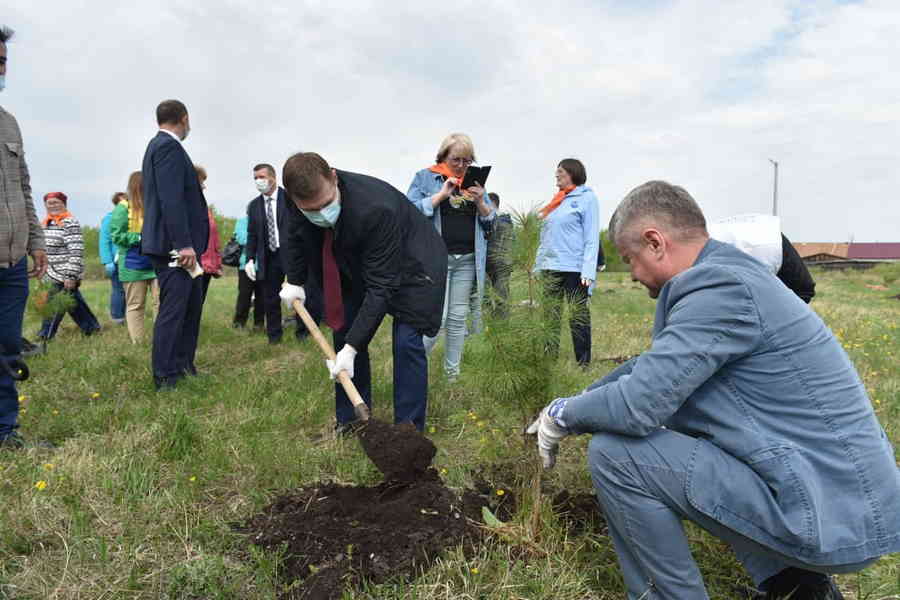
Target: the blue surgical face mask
(328, 216)
(2, 82)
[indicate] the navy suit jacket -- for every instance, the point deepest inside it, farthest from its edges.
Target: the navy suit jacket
(175, 212)
(258, 233)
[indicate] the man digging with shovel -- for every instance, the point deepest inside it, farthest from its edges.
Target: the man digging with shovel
(745, 416)
(372, 254)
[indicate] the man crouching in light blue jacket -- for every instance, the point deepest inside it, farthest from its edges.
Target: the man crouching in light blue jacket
(745, 416)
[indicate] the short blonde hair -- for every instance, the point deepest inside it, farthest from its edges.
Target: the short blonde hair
(453, 140)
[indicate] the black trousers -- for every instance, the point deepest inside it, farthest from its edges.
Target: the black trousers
(271, 284)
(566, 286)
(177, 327)
(249, 292)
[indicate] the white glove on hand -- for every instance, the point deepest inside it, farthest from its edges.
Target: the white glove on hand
(549, 432)
(250, 270)
(342, 362)
(290, 292)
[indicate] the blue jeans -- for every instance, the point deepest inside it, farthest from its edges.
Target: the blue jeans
(640, 484)
(460, 280)
(13, 294)
(116, 297)
(81, 314)
(410, 373)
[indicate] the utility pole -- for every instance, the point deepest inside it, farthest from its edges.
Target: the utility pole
(775, 190)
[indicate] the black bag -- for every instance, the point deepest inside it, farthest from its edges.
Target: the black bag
(231, 255)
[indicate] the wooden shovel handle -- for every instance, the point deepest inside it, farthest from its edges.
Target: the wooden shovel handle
(358, 404)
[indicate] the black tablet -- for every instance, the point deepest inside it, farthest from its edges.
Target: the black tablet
(473, 174)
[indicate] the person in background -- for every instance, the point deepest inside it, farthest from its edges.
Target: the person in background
(135, 270)
(567, 256)
(211, 260)
(108, 257)
(266, 227)
(249, 291)
(745, 417)
(20, 236)
(461, 217)
(174, 236)
(761, 237)
(499, 264)
(65, 258)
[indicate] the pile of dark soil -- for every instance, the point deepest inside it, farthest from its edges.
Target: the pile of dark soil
(331, 537)
(335, 536)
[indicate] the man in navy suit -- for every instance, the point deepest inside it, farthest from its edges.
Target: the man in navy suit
(266, 229)
(175, 234)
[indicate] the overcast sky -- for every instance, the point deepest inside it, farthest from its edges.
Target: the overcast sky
(700, 93)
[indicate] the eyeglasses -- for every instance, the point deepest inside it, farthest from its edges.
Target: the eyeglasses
(460, 161)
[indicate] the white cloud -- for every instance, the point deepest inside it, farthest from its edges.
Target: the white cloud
(695, 92)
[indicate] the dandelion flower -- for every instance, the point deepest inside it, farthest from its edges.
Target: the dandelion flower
(48, 466)
(192, 478)
(500, 492)
(443, 471)
(22, 398)
(431, 429)
(55, 412)
(95, 395)
(475, 570)
(40, 484)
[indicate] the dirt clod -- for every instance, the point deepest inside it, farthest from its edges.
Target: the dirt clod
(399, 451)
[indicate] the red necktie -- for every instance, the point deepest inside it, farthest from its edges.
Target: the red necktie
(334, 305)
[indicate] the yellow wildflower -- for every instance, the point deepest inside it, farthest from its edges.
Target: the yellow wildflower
(192, 478)
(475, 570)
(500, 492)
(95, 395)
(48, 466)
(40, 484)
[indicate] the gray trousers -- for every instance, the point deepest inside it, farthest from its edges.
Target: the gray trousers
(640, 484)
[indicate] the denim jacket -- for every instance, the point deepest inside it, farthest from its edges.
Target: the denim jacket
(426, 184)
(570, 236)
(740, 362)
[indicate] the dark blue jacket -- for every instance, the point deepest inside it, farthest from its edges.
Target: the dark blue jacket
(175, 212)
(391, 259)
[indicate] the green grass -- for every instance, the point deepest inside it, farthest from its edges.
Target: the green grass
(139, 498)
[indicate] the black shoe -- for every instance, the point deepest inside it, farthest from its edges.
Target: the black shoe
(14, 441)
(165, 383)
(800, 584)
(29, 349)
(274, 340)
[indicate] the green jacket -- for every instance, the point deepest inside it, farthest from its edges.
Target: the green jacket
(124, 239)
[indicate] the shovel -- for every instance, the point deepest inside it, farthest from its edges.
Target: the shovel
(359, 406)
(399, 451)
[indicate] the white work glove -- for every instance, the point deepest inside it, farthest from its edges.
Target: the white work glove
(290, 292)
(342, 362)
(250, 270)
(550, 432)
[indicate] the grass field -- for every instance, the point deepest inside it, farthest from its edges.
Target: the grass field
(139, 497)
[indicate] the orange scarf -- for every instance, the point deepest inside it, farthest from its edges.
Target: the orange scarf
(58, 218)
(557, 200)
(443, 169)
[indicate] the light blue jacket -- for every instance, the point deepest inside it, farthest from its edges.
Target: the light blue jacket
(107, 248)
(240, 235)
(739, 361)
(570, 236)
(426, 184)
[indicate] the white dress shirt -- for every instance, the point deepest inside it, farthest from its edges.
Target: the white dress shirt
(274, 200)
